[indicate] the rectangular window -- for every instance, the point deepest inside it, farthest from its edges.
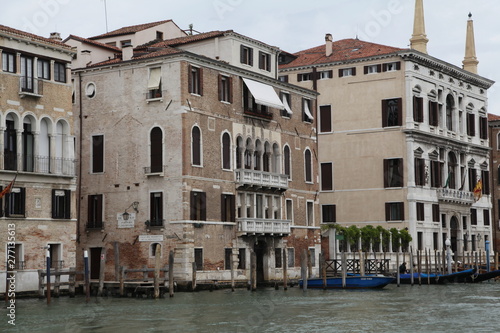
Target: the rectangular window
(435, 242)
(485, 177)
(347, 72)
(15, 202)
(44, 69)
(394, 211)
(97, 153)
(283, 78)
(391, 66)
(306, 110)
(473, 216)
(419, 171)
(420, 239)
(154, 83)
(290, 257)
(94, 217)
(27, 74)
(304, 77)
(472, 179)
(435, 212)
(420, 211)
(433, 114)
(228, 207)
(59, 72)
(264, 61)
(326, 176)
(310, 213)
(195, 80)
(287, 102)
(372, 69)
(328, 214)
(471, 124)
(436, 174)
(418, 109)
(392, 112)
(483, 128)
(312, 256)
(61, 204)
(278, 260)
(156, 209)
(225, 89)
(486, 217)
(242, 258)
(126, 42)
(289, 210)
(325, 75)
(8, 62)
(198, 206)
(393, 172)
(227, 258)
(246, 55)
(325, 118)
(198, 259)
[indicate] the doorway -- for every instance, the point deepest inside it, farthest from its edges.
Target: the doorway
(454, 234)
(260, 248)
(95, 262)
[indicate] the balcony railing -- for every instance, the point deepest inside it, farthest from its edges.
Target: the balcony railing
(455, 196)
(95, 225)
(18, 265)
(30, 87)
(155, 223)
(246, 177)
(57, 264)
(154, 170)
(263, 226)
(39, 164)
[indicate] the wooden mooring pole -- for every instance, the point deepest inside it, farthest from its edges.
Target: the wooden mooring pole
(285, 266)
(116, 247)
(157, 271)
(253, 271)
(303, 269)
(193, 277)
(122, 280)
(398, 276)
(231, 263)
(171, 273)
(48, 277)
(102, 268)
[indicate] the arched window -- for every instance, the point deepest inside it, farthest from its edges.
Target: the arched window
(44, 147)
(240, 149)
(308, 165)
(248, 154)
(226, 151)
(59, 147)
(450, 106)
(287, 161)
(196, 150)
(452, 171)
(10, 144)
(28, 143)
(276, 159)
(257, 155)
(266, 157)
(156, 149)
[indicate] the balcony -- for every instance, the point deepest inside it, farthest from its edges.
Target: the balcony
(253, 226)
(95, 225)
(260, 179)
(455, 196)
(158, 223)
(30, 87)
(154, 171)
(39, 164)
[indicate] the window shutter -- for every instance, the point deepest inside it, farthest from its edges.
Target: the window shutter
(90, 211)
(23, 201)
(242, 54)
(415, 108)
(384, 113)
(386, 173)
(486, 181)
(250, 56)
(261, 63)
(99, 209)
(354, 71)
(417, 171)
(402, 210)
(299, 77)
(384, 67)
(398, 65)
(330, 74)
(387, 211)
(326, 177)
(223, 203)
(268, 63)
(326, 118)
(156, 150)
(192, 205)
(190, 79)
(200, 79)
(67, 204)
(219, 80)
(341, 72)
(54, 215)
(230, 89)
(232, 208)
(2, 206)
(365, 70)
(400, 111)
(203, 206)
(400, 172)
(379, 68)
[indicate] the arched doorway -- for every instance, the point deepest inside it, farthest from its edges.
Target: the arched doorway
(260, 249)
(454, 234)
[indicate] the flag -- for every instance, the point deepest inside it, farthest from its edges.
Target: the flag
(447, 180)
(478, 190)
(8, 188)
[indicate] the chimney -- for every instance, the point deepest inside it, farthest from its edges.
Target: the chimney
(85, 58)
(55, 36)
(329, 45)
(127, 52)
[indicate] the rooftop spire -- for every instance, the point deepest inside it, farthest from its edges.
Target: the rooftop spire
(470, 61)
(418, 40)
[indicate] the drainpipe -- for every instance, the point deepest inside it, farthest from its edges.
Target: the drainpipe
(79, 159)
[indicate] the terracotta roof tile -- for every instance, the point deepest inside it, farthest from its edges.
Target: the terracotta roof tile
(159, 53)
(33, 37)
(93, 42)
(343, 50)
(191, 38)
(493, 117)
(130, 29)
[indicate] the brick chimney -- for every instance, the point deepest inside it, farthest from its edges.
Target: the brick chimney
(127, 52)
(55, 36)
(328, 45)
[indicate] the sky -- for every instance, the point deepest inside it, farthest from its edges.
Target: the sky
(291, 25)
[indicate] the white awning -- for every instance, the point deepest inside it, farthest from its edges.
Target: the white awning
(307, 111)
(287, 106)
(264, 94)
(154, 78)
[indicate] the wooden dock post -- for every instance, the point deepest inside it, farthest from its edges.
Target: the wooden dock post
(303, 269)
(309, 264)
(48, 277)
(86, 274)
(72, 281)
(419, 266)
(122, 280)
(427, 264)
(344, 269)
(253, 271)
(193, 277)
(57, 281)
(231, 262)
(412, 278)
(285, 268)
(496, 261)
(157, 271)
(361, 263)
(398, 276)
(171, 273)
(116, 247)
(435, 262)
(102, 268)
(41, 293)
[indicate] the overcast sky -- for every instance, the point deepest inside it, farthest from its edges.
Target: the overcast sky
(292, 25)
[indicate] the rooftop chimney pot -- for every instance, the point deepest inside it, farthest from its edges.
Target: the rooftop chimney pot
(329, 45)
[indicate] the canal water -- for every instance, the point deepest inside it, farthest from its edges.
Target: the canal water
(434, 308)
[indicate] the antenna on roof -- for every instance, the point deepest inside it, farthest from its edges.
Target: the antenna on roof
(106, 15)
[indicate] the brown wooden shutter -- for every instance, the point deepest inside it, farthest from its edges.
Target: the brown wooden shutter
(221, 90)
(400, 111)
(417, 171)
(384, 67)
(230, 88)
(354, 71)
(193, 205)
(242, 54)
(471, 124)
(156, 157)
(365, 70)
(379, 68)
(386, 173)
(54, 198)
(223, 207)
(232, 208)
(190, 79)
(299, 77)
(341, 72)
(384, 113)
(250, 56)
(200, 78)
(387, 211)
(203, 206)
(326, 177)
(398, 65)
(400, 172)
(325, 118)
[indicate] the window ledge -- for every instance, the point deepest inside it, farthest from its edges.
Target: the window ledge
(226, 102)
(158, 99)
(153, 174)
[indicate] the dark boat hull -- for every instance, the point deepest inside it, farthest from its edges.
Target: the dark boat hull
(352, 282)
(437, 278)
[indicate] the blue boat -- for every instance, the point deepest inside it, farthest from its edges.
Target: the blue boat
(436, 278)
(351, 282)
